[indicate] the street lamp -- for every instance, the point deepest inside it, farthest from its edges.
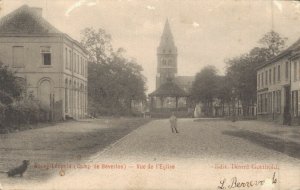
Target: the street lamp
(233, 105)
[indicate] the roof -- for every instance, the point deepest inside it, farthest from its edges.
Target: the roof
(169, 89)
(286, 52)
(185, 82)
(167, 40)
(25, 20)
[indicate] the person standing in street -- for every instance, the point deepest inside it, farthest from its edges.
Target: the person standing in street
(173, 122)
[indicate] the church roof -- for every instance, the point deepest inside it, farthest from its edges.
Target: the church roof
(25, 20)
(167, 30)
(185, 82)
(167, 37)
(169, 89)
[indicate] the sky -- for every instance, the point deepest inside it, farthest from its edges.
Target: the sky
(205, 32)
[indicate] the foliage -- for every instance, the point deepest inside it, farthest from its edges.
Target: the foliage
(15, 108)
(205, 87)
(98, 44)
(10, 89)
(113, 86)
(114, 81)
(223, 89)
(241, 70)
(273, 43)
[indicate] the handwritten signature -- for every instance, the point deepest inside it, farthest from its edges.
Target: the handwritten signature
(235, 183)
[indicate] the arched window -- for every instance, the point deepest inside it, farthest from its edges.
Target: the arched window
(45, 93)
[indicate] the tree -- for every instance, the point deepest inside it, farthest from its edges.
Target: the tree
(98, 44)
(10, 89)
(114, 81)
(273, 43)
(241, 73)
(241, 70)
(113, 87)
(205, 88)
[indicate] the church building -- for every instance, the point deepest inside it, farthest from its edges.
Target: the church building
(172, 91)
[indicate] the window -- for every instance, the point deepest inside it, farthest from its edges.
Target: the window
(278, 73)
(266, 78)
(77, 63)
(18, 56)
(270, 76)
(298, 106)
(81, 66)
(70, 59)
(66, 58)
(295, 103)
(66, 96)
(274, 101)
(286, 70)
(74, 62)
(270, 102)
(295, 71)
(278, 101)
(258, 104)
(266, 102)
(262, 79)
(258, 81)
(46, 55)
(86, 68)
(274, 75)
(299, 70)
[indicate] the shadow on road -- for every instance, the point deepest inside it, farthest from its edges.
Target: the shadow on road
(291, 149)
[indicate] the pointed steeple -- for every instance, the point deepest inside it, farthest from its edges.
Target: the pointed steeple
(167, 41)
(167, 34)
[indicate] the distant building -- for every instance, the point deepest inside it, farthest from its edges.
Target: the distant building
(51, 64)
(172, 91)
(278, 87)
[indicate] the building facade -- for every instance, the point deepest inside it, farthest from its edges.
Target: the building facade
(52, 65)
(278, 87)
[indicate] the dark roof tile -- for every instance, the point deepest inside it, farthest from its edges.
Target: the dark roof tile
(169, 89)
(25, 20)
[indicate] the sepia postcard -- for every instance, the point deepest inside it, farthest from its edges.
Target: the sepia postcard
(149, 94)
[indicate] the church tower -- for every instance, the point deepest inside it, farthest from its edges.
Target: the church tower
(166, 57)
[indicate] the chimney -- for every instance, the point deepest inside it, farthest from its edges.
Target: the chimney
(38, 11)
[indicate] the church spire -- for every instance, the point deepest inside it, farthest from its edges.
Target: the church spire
(167, 31)
(167, 41)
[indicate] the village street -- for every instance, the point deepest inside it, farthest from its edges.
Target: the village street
(200, 155)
